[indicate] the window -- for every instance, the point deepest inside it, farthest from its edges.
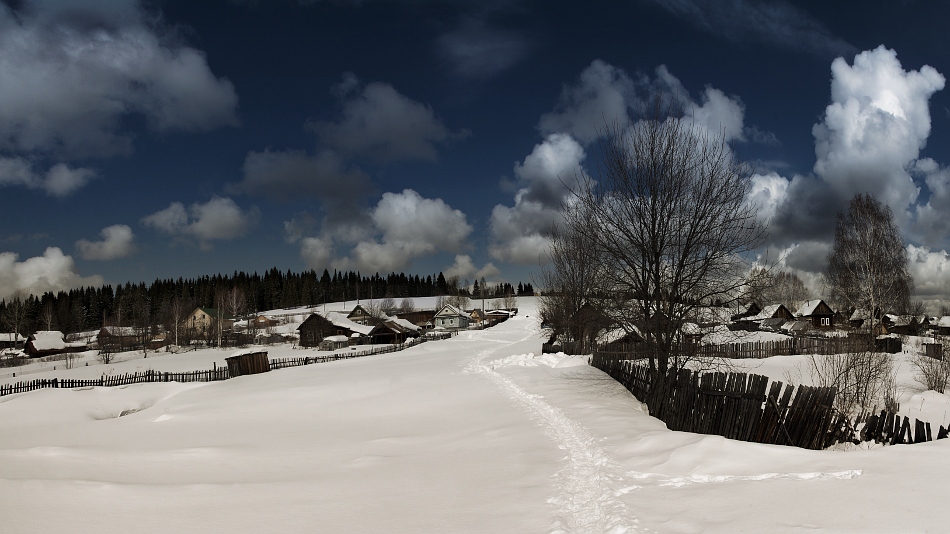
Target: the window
(825, 321)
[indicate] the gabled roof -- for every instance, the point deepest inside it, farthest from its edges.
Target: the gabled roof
(213, 312)
(809, 308)
(48, 340)
(767, 312)
(449, 310)
(860, 314)
(338, 319)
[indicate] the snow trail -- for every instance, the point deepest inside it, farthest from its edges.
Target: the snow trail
(590, 483)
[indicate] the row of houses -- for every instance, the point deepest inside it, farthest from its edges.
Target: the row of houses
(332, 330)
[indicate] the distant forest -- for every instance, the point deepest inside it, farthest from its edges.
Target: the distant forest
(89, 308)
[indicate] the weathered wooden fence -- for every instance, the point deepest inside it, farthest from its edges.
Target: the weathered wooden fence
(762, 349)
(733, 405)
(210, 375)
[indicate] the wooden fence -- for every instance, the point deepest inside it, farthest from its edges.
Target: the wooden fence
(761, 349)
(210, 375)
(733, 405)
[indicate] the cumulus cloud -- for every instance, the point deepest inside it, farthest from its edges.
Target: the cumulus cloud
(875, 126)
(464, 268)
(777, 22)
(599, 98)
(70, 73)
(218, 219)
(932, 220)
(404, 226)
(477, 50)
(53, 271)
(931, 272)
(383, 124)
(59, 181)
(118, 241)
(520, 232)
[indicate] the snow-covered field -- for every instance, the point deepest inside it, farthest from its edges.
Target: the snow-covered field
(471, 434)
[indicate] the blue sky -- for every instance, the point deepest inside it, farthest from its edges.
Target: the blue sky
(143, 140)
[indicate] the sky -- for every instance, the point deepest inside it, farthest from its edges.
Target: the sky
(166, 139)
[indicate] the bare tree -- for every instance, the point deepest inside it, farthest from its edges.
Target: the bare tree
(47, 315)
(571, 283)
(766, 286)
(176, 313)
(867, 267)
(14, 313)
(407, 306)
(387, 305)
(672, 225)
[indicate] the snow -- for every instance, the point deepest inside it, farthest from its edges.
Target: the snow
(477, 433)
(722, 335)
(808, 308)
(48, 340)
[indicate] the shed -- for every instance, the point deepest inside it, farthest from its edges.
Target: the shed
(247, 362)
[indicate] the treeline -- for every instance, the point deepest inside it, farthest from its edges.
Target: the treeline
(88, 308)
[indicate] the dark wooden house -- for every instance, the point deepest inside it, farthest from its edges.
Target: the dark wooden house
(818, 312)
(318, 326)
(393, 331)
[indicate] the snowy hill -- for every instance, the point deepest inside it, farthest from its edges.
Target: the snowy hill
(471, 434)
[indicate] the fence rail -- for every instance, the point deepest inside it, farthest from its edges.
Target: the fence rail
(209, 375)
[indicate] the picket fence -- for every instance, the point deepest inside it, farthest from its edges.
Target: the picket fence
(210, 375)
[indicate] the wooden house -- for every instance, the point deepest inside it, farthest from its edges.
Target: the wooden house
(262, 322)
(451, 318)
(757, 321)
(11, 340)
(322, 325)
(820, 314)
(905, 325)
(120, 338)
(393, 331)
(359, 315)
(50, 342)
(205, 319)
(749, 310)
(424, 319)
(478, 316)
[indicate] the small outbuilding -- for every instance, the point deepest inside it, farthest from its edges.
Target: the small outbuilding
(247, 362)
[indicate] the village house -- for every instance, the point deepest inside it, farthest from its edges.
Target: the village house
(904, 325)
(262, 322)
(451, 318)
(820, 314)
(749, 310)
(393, 330)
(772, 316)
(424, 319)
(319, 326)
(120, 338)
(11, 340)
(50, 342)
(359, 315)
(203, 320)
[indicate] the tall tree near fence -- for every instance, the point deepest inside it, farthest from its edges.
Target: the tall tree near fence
(670, 220)
(868, 265)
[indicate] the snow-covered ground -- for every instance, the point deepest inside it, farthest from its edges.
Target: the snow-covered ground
(471, 434)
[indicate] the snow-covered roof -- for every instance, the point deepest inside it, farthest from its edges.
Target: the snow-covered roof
(713, 314)
(10, 337)
(339, 319)
(943, 322)
(450, 310)
(616, 334)
(691, 329)
(336, 339)
(796, 326)
(121, 331)
(808, 308)
(242, 352)
(404, 323)
(860, 314)
(48, 340)
(766, 313)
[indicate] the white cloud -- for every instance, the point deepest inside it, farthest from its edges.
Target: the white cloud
(767, 193)
(464, 268)
(218, 219)
(404, 226)
(932, 220)
(598, 100)
(931, 272)
(59, 181)
(71, 73)
(118, 241)
(875, 126)
(53, 271)
(383, 124)
(520, 232)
